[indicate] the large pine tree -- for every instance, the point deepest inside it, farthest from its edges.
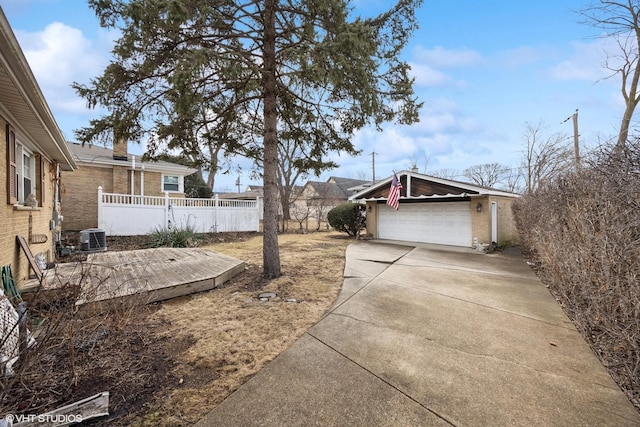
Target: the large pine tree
(192, 73)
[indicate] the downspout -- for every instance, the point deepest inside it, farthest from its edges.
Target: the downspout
(57, 218)
(133, 174)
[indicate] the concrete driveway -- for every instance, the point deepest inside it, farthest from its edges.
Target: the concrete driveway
(433, 335)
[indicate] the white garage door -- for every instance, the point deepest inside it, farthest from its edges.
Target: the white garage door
(442, 223)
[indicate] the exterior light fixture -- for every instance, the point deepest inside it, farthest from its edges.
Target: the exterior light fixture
(479, 207)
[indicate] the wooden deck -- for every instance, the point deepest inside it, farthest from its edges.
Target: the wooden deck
(155, 274)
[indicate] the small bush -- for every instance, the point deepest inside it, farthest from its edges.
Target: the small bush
(348, 217)
(174, 237)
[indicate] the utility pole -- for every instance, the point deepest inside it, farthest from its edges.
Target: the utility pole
(238, 183)
(576, 143)
(373, 162)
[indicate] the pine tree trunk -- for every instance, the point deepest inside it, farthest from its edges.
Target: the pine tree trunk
(270, 249)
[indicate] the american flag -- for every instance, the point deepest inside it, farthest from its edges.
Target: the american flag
(394, 193)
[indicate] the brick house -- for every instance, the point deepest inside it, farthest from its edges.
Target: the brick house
(35, 153)
(116, 171)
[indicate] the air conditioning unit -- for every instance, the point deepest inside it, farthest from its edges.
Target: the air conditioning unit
(93, 240)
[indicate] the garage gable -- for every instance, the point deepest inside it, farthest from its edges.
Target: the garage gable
(416, 186)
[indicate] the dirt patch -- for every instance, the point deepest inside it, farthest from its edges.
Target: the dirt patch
(172, 362)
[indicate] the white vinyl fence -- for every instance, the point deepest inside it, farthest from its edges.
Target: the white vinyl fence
(131, 215)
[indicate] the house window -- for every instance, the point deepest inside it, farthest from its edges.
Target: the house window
(26, 174)
(12, 167)
(172, 183)
(23, 173)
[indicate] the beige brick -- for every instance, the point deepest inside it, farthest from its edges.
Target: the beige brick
(15, 222)
(80, 195)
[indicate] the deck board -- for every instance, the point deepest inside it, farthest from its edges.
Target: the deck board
(156, 274)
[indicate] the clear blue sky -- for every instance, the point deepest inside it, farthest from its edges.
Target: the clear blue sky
(483, 69)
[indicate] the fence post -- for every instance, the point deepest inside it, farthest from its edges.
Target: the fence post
(166, 210)
(100, 213)
(216, 201)
(258, 210)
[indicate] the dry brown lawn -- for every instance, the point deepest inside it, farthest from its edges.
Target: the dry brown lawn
(233, 334)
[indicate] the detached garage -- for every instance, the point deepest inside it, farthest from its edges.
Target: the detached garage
(440, 211)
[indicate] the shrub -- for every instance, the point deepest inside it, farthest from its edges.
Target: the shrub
(183, 237)
(348, 217)
(583, 232)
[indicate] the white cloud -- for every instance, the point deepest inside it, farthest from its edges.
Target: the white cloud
(60, 55)
(440, 57)
(586, 61)
(520, 56)
(427, 65)
(427, 76)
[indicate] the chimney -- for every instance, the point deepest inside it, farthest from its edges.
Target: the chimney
(120, 150)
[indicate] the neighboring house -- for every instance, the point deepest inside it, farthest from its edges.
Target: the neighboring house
(35, 152)
(252, 187)
(251, 193)
(318, 198)
(349, 186)
(441, 211)
(116, 171)
(331, 193)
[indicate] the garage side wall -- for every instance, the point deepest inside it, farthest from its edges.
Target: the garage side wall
(372, 219)
(507, 231)
(481, 221)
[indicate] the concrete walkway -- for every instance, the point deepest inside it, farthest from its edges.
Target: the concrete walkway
(432, 335)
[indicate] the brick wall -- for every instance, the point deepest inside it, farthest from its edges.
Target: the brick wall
(121, 183)
(372, 219)
(152, 184)
(80, 195)
(15, 221)
(507, 231)
(481, 221)
(120, 149)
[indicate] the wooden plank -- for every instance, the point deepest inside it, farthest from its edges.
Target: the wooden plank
(156, 274)
(27, 251)
(82, 410)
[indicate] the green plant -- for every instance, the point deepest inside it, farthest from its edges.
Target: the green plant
(182, 237)
(348, 217)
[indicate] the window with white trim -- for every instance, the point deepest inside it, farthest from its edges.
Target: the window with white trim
(173, 183)
(26, 174)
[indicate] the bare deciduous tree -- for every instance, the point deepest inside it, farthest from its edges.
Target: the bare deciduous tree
(487, 175)
(446, 173)
(513, 180)
(620, 19)
(545, 157)
(301, 213)
(421, 166)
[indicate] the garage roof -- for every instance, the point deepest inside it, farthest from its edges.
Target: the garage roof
(423, 186)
